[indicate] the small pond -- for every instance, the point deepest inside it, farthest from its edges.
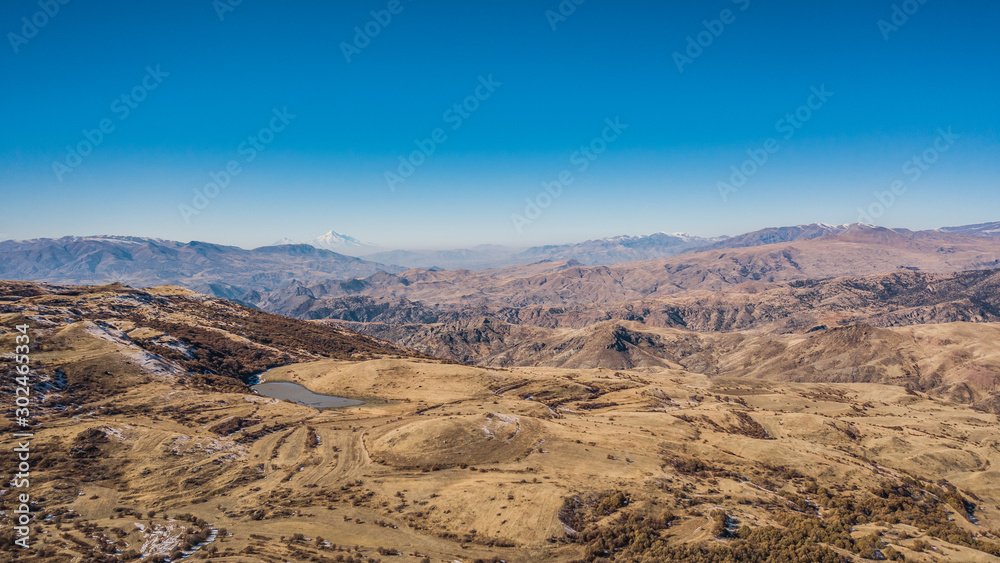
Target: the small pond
(298, 394)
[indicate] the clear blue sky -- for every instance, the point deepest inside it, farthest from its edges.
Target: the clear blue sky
(352, 120)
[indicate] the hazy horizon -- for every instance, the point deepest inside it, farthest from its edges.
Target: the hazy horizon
(373, 248)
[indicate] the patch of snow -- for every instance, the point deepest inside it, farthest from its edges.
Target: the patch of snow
(149, 363)
(116, 432)
(160, 540)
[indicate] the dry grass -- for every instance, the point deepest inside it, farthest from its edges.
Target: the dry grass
(463, 463)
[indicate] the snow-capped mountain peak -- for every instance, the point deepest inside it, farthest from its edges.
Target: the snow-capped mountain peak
(686, 237)
(334, 241)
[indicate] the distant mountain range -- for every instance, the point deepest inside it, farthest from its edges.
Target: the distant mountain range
(224, 271)
(570, 294)
(988, 229)
(615, 250)
(619, 249)
(259, 275)
(606, 251)
(598, 252)
(775, 235)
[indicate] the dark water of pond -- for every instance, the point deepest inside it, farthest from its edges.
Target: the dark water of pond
(298, 394)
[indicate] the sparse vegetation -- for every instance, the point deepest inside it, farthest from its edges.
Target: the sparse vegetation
(180, 455)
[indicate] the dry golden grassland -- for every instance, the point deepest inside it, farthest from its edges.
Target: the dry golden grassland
(449, 462)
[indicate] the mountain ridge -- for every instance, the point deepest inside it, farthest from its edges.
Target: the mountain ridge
(247, 275)
(201, 266)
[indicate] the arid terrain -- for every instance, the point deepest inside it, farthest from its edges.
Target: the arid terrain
(626, 443)
(500, 282)
(863, 274)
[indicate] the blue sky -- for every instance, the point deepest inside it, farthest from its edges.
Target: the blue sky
(328, 130)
